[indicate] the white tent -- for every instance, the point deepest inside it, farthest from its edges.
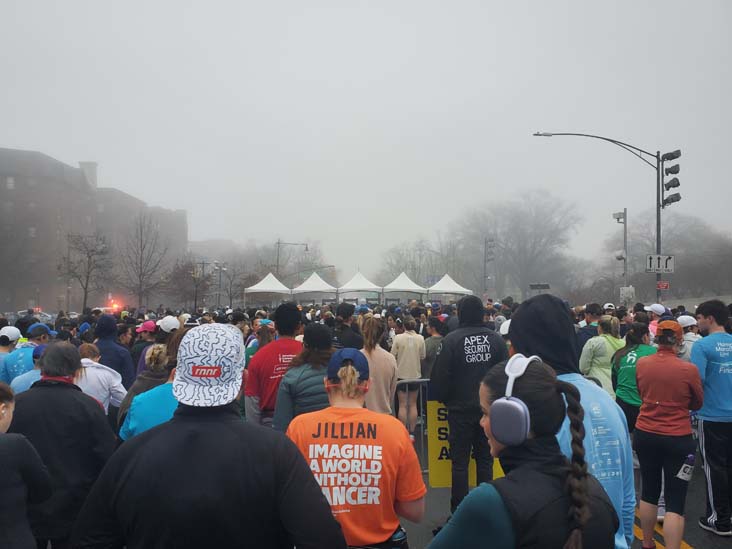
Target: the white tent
(359, 283)
(403, 283)
(314, 284)
(447, 285)
(268, 285)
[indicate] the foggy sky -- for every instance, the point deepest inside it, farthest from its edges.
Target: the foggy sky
(364, 124)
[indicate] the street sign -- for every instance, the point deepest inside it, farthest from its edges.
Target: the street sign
(627, 294)
(663, 285)
(660, 263)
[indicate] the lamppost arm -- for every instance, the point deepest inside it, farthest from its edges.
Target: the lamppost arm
(636, 151)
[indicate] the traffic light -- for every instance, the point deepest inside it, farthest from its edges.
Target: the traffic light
(671, 183)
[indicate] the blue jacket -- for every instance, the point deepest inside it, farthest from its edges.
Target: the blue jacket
(712, 355)
(18, 362)
(608, 451)
(118, 358)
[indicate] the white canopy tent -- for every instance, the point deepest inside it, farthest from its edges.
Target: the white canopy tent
(447, 285)
(314, 284)
(359, 283)
(403, 283)
(268, 285)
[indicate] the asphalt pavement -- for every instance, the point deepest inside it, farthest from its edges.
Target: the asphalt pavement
(438, 509)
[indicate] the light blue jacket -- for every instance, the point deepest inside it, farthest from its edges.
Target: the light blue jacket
(712, 355)
(608, 451)
(148, 410)
(18, 362)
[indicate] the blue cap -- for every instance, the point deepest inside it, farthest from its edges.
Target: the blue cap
(84, 327)
(38, 329)
(38, 351)
(355, 356)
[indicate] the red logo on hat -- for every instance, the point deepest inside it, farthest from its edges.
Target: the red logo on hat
(206, 371)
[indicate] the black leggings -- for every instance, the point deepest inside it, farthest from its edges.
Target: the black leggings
(663, 455)
(631, 413)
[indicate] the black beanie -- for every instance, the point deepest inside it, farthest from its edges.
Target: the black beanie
(317, 336)
(543, 326)
(470, 311)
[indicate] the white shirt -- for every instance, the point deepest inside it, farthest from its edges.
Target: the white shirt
(102, 383)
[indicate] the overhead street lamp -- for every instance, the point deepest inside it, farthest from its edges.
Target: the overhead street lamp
(661, 187)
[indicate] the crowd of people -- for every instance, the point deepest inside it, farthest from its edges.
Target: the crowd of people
(296, 426)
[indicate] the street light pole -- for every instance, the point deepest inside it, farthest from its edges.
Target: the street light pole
(647, 157)
(622, 218)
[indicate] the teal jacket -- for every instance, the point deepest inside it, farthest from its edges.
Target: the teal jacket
(301, 391)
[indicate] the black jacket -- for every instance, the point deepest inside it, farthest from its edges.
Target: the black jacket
(345, 336)
(73, 437)
(23, 479)
(207, 479)
(534, 491)
(465, 357)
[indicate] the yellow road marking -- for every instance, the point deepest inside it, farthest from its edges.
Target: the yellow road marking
(638, 533)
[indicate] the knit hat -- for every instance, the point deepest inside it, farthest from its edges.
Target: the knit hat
(106, 326)
(210, 366)
(543, 326)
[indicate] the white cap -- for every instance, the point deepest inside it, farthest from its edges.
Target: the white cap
(210, 365)
(503, 330)
(686, 321)
(656, 308)
(168, 324)
(11, 332)
(608, 306)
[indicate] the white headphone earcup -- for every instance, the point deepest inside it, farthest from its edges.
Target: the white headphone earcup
(510, 421)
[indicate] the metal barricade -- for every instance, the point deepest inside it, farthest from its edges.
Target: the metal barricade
(420, 429)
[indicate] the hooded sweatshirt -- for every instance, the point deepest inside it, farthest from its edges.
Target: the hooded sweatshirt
(543, 326)
(113, 354)
(102, 383)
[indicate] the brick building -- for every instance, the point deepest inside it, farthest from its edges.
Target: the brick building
(42, 200)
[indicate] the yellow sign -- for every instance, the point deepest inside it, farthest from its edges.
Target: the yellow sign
(438, 449)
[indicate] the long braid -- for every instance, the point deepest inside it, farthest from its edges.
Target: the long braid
(579, 509)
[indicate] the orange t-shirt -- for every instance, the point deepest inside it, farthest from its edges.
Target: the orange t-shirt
(364, 462)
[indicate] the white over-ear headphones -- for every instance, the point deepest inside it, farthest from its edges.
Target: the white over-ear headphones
(510, 418)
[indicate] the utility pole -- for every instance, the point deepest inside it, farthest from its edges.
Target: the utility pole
(279, 245)
(220, 267)
(196, 282)
(489, 246)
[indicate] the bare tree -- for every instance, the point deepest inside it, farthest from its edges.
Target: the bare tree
(142, 258)
(87, 262)
(186, 281)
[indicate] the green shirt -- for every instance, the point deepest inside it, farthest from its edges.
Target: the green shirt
(624, 371)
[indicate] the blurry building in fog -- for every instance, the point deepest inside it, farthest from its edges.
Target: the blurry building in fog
(42, 200)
